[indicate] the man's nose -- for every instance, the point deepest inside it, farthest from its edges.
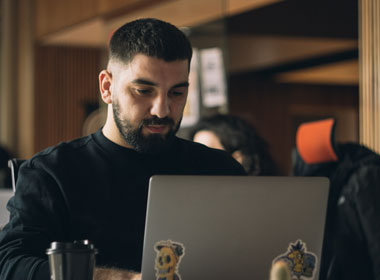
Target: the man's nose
(160, 106)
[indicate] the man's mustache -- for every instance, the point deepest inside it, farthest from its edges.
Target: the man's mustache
(158, 121)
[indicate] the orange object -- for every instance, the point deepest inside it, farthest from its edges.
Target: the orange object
(315, 141)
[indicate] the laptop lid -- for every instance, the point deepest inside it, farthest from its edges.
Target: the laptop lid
(233, 227)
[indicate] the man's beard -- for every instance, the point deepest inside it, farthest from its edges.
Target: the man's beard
(150, 144)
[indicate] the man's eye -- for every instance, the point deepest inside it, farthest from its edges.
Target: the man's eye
(143, 91)
(177, 93)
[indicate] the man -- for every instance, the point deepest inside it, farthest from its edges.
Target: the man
(96, 187)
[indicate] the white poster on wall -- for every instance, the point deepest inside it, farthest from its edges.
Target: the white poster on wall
(192, 110)
(213, 82)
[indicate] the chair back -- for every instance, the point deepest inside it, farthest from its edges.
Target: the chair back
(14, 164)
(315, 141)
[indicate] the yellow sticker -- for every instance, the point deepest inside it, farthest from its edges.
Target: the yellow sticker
(169, 255)
(302, 263)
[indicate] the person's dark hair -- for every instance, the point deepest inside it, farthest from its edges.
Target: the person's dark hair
(151, 37)
(236, 134)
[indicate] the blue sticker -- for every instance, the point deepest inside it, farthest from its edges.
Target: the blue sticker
(302, 263)
(169, 255)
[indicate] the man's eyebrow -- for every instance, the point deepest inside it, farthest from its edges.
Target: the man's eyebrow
(150, 83)
(144, 82)
(184, 84)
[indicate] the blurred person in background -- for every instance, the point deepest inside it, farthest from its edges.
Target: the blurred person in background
(351, 248)
(238, 138)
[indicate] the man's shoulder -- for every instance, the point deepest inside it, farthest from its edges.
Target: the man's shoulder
(62, 150)
(198, 149)
(208, 158)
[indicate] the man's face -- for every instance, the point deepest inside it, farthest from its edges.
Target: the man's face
(148, 99)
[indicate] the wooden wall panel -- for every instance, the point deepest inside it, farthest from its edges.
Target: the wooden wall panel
(276, 110)
(66, 80)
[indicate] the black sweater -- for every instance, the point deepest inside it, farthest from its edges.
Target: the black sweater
(92, 188)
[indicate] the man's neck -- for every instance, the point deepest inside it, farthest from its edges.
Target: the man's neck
(111, 132)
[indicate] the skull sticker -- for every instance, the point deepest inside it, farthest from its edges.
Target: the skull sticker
(169, 254)
(302, 263)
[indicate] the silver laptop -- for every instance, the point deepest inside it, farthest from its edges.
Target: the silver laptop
(233, 227)
(5, 195)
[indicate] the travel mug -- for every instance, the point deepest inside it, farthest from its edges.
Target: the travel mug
(71, 261)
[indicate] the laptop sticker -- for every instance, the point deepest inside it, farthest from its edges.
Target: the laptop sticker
(169, 255)
(302, 263)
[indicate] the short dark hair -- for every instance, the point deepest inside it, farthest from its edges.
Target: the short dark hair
(151, 37)
(236, 134)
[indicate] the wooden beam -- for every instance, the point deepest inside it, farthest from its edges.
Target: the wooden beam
(54, 15)
(8, 74)
(57, 15)
(369, 69)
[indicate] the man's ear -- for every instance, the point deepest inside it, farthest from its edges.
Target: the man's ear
(105, 82)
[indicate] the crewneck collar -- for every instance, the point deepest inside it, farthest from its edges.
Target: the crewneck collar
(117, 150)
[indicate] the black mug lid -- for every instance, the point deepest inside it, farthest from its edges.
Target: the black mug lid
(78, 246)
